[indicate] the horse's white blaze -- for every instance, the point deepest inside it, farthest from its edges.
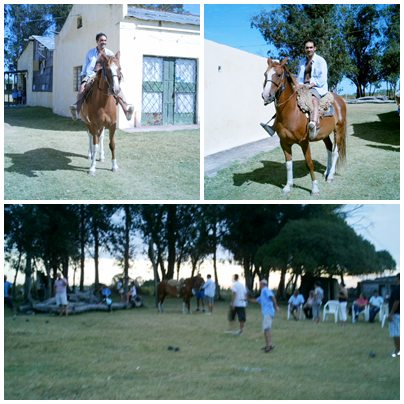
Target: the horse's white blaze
(115, 81)
(267, 86)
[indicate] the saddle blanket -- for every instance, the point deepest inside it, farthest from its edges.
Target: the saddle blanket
(305, 102)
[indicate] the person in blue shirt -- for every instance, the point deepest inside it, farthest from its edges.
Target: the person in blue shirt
(269, 306)
(89, 70)
(296, 302)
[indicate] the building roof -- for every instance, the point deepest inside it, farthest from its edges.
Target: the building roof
(156, 15)
(48, 42)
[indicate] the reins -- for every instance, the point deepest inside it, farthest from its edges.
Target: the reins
(282, 89)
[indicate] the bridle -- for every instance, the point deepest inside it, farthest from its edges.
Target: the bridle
(280, 88)
(105, 77)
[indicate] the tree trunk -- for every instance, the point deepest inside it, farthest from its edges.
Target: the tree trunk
(82, 246)
(28, 279)
(171, 239)
(155, 270)
(96, 257)
(248, 274)
(215, 271)
(128, 221)
(281, 287)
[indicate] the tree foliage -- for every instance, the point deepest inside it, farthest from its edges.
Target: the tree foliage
(360, 42)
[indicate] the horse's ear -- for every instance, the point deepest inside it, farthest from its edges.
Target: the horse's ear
(269, 62)
(118, 54)
(284, 62)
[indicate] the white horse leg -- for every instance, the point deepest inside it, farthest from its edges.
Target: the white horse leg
(101, 142)
(90, 146)
(314, 188)
(183, 308)
(332, 164)
(289, 173)
(93, 159)
(159, 307)
(114, 166)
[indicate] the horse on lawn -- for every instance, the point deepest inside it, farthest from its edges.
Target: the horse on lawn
(291, 123)
(184, 288)
(98, 110)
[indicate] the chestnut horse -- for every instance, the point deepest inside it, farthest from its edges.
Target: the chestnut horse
(99, 110)
(184, 288)
(291, 123)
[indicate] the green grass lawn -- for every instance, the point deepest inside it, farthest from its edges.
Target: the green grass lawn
(372, 171)
(124, 355)
(46, 158)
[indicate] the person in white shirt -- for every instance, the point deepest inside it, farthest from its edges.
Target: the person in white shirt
(209, 288)
(239, 302)
(375, 304)
(313, 73)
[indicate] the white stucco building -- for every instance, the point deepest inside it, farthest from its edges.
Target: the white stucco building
(233, 104)
(160, 55)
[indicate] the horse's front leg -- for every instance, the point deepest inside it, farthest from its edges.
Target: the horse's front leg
(90, 146)
(309, 163)
(102, 154)
(94, 150)
(287, 150)
(112, 147)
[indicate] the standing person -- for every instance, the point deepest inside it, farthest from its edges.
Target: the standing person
(343, 301)
(375, 304)
(89, 71)
(269, 306)
(61, 294)
(313, 73)
(239, 302)
(132, 293)
(209, 287)
(394, 316)
(307, 308)
(8, 300)
(317, 301)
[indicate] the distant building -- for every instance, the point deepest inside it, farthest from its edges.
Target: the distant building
(160, 54)
(383, 285)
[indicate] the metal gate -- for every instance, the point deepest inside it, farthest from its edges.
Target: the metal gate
(169, 91)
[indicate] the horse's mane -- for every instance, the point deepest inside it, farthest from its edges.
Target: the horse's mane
(291, 78)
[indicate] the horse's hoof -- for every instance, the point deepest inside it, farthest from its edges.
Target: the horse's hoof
(92, 172)
(315, 193)
(102, 159)
(114, 169)
(330, 180)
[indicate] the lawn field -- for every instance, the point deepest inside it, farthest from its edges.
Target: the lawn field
(125, 355)
(371, 172)
(46, 158)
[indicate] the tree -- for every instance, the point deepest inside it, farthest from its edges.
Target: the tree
(289, 26)
(24, 20)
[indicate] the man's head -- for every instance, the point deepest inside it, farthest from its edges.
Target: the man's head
(235, 277)
(5, 278)
(58, 275)
(263, 283)
(101, 40)
(296, 292)
(209, 276)
(310, 48)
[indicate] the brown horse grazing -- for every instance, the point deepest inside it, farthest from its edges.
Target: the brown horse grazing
(291, 123)
(184, 288)
(98, 111)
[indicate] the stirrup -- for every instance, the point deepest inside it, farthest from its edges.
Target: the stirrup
(73, 111)
(129, 112)
(269, 129)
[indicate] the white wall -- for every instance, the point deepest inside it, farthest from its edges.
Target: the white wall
(34, 98)
(233, 103)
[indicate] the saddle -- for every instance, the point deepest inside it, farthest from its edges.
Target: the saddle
(305, 103)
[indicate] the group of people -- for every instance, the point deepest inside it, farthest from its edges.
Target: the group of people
(206, 294)
(18, 95)
(269, 306)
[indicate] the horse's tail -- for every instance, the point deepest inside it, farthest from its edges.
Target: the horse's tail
(341, 130)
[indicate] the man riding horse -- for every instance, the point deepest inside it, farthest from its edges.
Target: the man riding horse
(90, 67)
(313, 73)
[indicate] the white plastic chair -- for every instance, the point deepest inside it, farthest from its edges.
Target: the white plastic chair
(331, 307)
(364, 313)
(300, 315)
(383, 313)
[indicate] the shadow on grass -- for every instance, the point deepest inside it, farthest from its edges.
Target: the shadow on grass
(44, 159)
(41, 118)
(385, 131)
(274, 173)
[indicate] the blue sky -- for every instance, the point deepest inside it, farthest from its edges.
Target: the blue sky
(380, 224)
(229, 24)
